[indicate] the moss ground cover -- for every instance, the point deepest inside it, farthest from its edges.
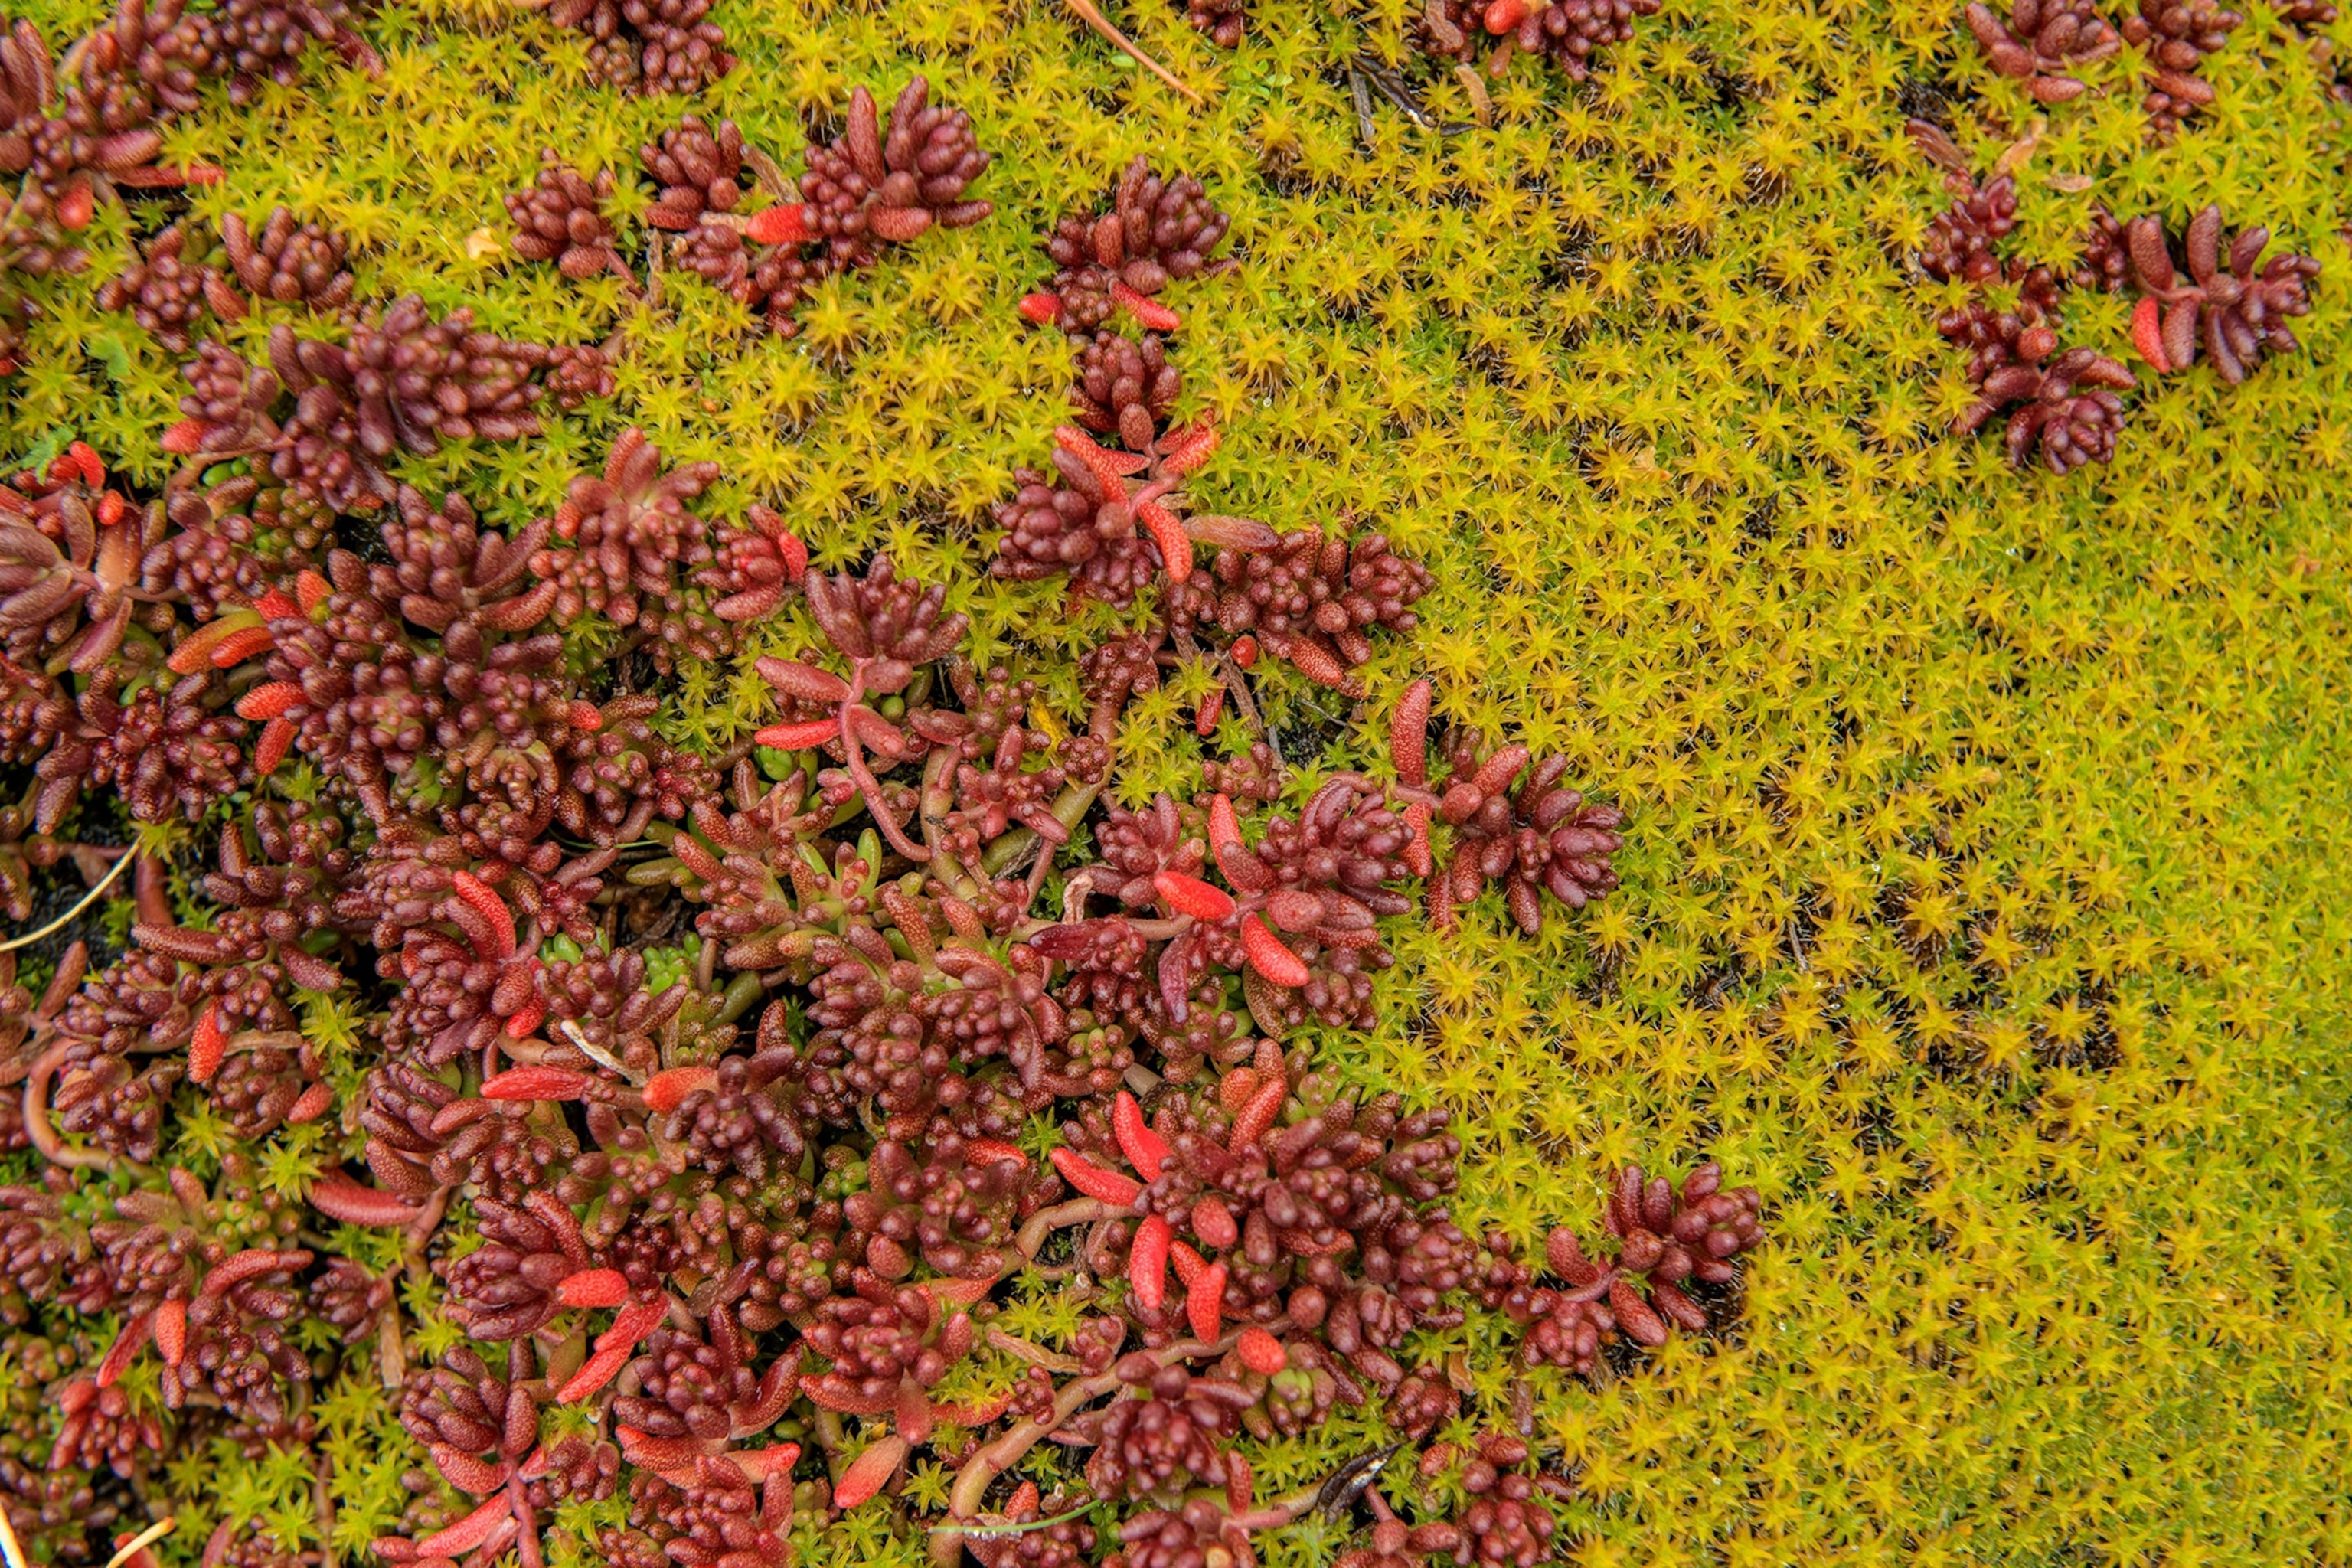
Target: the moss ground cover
(1982, 898)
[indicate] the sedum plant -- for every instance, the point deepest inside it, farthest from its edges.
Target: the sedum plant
(747, 875)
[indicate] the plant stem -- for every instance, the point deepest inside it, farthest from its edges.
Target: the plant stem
(1095, 20)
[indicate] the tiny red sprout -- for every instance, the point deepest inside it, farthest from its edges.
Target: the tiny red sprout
(582, 716)
(1144, 1149)
(1146, 1262)
(1191, 895)
(1504, 15)
(667, 1090)
(469, 1531)
(77, 205)
(277, 738)
(274, 605)
(311, 590)
(337, 1196)
(206, 1046)
(800, 737)
(1269, 957)
(536, 1083)
(172, 1331)
(1168, 532)
(795, 553)
(1149, 312)
(1042, 309)
(1095, 1181)
(1257, 1116)
(870, 1472)
(202, 174)
(1189, 1265)
(1260, 1351)
(1212, 1222)
(268, 700)
(1024, 1501)
(186, 437)
(239, 645)
(990, 1151)
(593, 1287)
(125, 1349)
(484, 901)
(2148, 333)
(788, 223)
(1245, 650)
(315, 1102)
(110, 508)
(84, 460)
(1237, 1089)
(1204, 1303)
(534, 1014)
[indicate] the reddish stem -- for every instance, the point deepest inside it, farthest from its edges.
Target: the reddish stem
(867, 785)
(37, 1127)
(526, 1524)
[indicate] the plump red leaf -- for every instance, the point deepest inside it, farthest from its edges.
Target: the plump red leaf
(1212, 1222)
(533, 1083)
(1204, 1302)
(1260, 1351)
(1146, 1262)
(206, 1046)
(1149, 312)
(268, 700)
(1109, 1187)
(337, 1196)
(1191, 895)
(667, 1090)
(800, 737)
(2147, 332)
(791, 222)
(171, 1331)
(1257, 1116)
(1269, 957)
(593, 1287)
(870, 1472)
(1144, 1149)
